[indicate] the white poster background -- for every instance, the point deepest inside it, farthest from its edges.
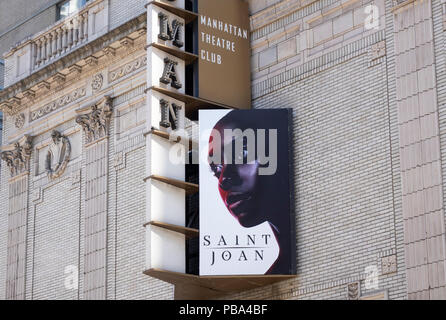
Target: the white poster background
(216, 221)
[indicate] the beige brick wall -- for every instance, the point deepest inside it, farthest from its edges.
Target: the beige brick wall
(340, 79)
(13, 15)
(122, 11)
(346, 207)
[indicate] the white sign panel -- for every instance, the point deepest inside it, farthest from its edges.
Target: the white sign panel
(241, 233)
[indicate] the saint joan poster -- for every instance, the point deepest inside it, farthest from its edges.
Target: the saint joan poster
(247, 225)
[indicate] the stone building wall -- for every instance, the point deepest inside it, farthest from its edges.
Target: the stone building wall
(84, 233)
(357, 141)
(2, 71)
(318, 68)
(22, 18)
(122, 11)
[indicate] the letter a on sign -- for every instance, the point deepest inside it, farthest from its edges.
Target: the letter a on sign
(170, 74)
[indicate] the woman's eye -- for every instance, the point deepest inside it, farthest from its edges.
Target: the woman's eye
(216, 169)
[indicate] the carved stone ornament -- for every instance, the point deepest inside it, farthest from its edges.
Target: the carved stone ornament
(57, 104)
(109, 51)
(388, 264)
(58, 155)
(76, 177)
(96, 123)
(20, 121)
(12, 106)
(353, 291)
(97, 82)
(17, 155)
(377, 51)
(127, 68)
(119, 161)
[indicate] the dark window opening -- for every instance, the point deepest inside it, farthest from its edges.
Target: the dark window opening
(192, 219)
(191, 5)
(67, 8)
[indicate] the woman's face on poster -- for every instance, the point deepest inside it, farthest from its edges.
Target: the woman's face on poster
(238, 184)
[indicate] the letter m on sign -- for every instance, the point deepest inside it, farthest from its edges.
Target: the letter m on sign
(170, 32)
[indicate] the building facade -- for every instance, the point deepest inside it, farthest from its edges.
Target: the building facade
(365, 80)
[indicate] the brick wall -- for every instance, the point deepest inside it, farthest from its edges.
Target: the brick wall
(348, 190)
(13, 12)
(56, 241)
(131, 283)
(3, 226)
(340, 79)
(122, 11)
(2, 74)
(439, 16)
(344, 190)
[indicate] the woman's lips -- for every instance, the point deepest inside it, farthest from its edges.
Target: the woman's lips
(236, 203)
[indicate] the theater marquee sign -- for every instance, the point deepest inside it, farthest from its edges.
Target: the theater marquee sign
(224, 50)
(198, 57)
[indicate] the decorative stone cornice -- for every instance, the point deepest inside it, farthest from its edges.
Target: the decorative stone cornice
(17, 155)
(92, 61)
(109, 51)
(86, 50)
(59, 78)
(127, 42)
(57, 104)
(127, 68)
(29, 94)
(96, 123)
(12, 106)
(6, 107)
(20, 121)
(76, 69)
(45, 86)
(58, 155)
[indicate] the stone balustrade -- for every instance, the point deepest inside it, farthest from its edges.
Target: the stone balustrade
(59, 39)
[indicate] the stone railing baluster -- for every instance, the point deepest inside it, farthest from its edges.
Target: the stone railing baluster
(43, 50)
(59, 32)
(54, 44)
(64, 38)
(60, 39)
(70, 34)
(81, 28)
(38, 53)
(85, 15)
(49, 49)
